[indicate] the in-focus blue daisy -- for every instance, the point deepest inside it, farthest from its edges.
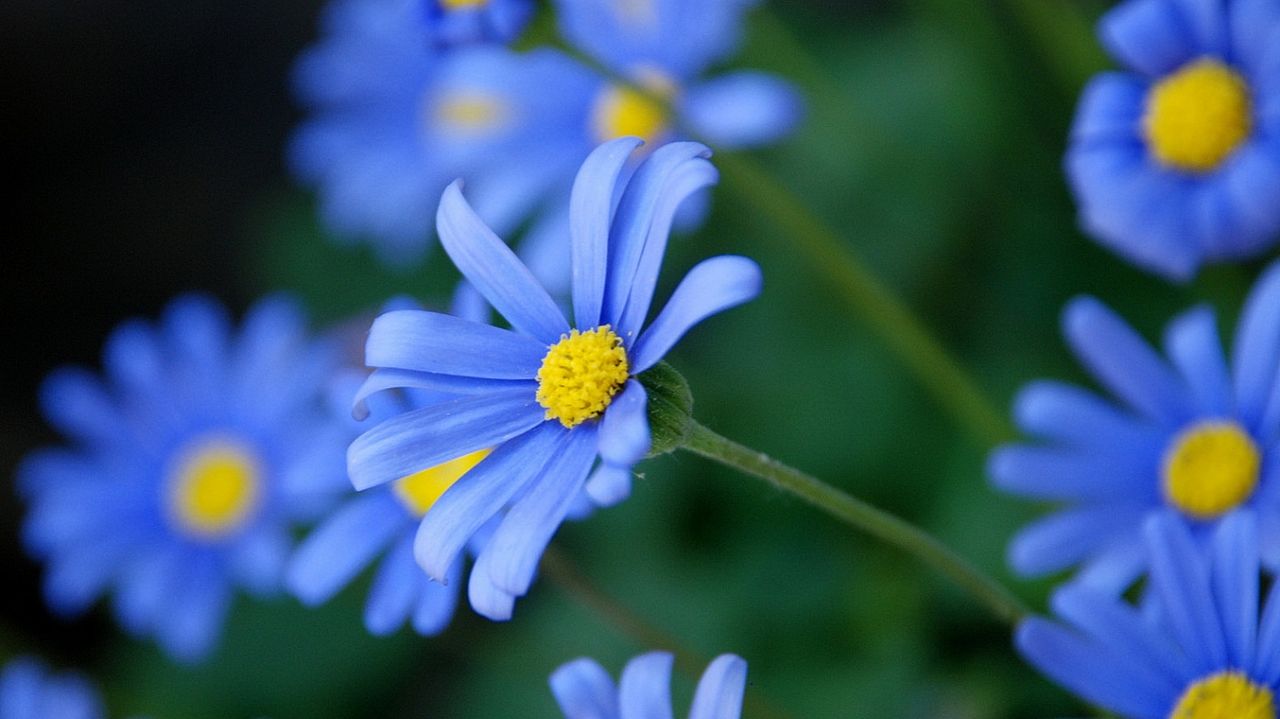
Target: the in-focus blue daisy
(187, 467)
(28, 690)
(1176, 162)
(393, 121)
(547, 398)
(584, 690)
(1210, 651)
(455, 22)
(1196, 434)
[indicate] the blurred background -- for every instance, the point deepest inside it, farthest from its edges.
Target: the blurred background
(149, 140)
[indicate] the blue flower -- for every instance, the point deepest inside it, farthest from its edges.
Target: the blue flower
(1177, 161)
(547, 400)
(29, 691)
(1196, 434)
(394, 121)
(188, 466)
(584, 690)
(1210, 649)
(455, 22)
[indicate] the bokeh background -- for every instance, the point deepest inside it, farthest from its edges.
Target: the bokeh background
(148, 138)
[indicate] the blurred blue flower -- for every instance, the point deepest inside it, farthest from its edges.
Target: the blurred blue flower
(1197, 435)
(393, 121)
(29, 691)
(188, 466)
(547, 400)
(456, 22)
(1177, 161)
(1210, 650)
(584, 689)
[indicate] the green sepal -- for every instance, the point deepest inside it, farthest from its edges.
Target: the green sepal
(670, 407)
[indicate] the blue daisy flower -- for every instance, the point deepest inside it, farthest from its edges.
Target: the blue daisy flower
(394, 121)
(546, 400)
(188, 466)
(1209, 651)
(584, 690)
(456, 22)
(1197, 434)
(1176, 162)
(28, 690)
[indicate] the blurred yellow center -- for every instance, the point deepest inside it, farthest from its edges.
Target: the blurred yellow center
(1229, 695)
(460, 4)
(1197, 116)
(1210, 469)
(581, 374)
(419, 491)
(471, 113)
(626, 112)
(215, 489)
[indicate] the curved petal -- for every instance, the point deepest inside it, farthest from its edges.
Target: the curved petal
(76, 402)
(1109, 620)
(384, 379)
(584, 690)
(336, 551)
(624, 431)
(720, 690)
(1256, 355)
(1147, 35)
(422, 438)
(1110, 109)
(1236, 586)
(609, 485)
(486, 598)
(1180, 576)
(189, 627)
(1194, 347)
(495, 270)
(1076, 417)
(644, 690)
(742, 109)
(1069, 536)
(393, 591)
(1117, 567)
(1268, 665)
(1050, 473)
(443, 344)
(712, 286)
(590, 215)
(436, 602)
(1255, 28)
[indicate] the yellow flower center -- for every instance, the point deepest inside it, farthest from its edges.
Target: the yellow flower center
(1211, 468)
(461, 4)
(215, 488)
(468, 113)
(1197, 116)
(419, 491)
(626, 112)
(581, 374)
(1228, 695)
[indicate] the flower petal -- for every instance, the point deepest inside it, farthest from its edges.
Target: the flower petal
(1068, 537)
(1110, 109)
(1110, 621)
(712, 286)
(742, 109)
(1147, 36)
(584, 690)
(644, 690)
(336, 551)
(1078, 418)
(436, 602)
(1268, 663)
(720, 690)
(385, 379)
(624, 431)
(590, 213)
(1255, 28)
(1180, 576)
(189, 627)
(443, 344)
(1051, 473)
(1256, 359)
(423, 438)
(1195, 348)
(495, 270)
(609, 485)
(393, 591)
(485, 596)
(1235, 584)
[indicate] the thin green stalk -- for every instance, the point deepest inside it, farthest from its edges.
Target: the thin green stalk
(861, 516)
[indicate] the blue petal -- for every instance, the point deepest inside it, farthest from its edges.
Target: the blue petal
(68, 697)
(384, 379)
(21, 688)
(1068, 537)
(590, 214)
(1123, 362)
(1109, 620)
(1268, 662)
(1250, 185)
(486, 598)
(145, 587)
(711, 287)
(1235, 585)
(1072, 416)
(1147, 36)
(76, 402)
(74, 579)
(584, 690)
(189, 627)
(644, 691)
(342, 546)
(1110, 109)
(133, 360)
(444, 344)
(1181, 578)
(1257, 347)
(720, 690)
(742, 109)
(609, 485)
(423, 438)
(1195, 348)
(624, 431)
(258, 561)
(436, 602)
(1206, 24)
(1255, 29)
(515, 549)
(394, 588)
(478, 496)
(496, 271)
(197, 329)
(1050, 473)
(1116, 568)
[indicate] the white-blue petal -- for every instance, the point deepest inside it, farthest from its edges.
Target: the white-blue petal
(609, 485)
(720, 690)
(742, 109)
(437, 602)
(644, 690)
(712, 286)
(384, 379)
(486, 597)
(1235, 565)
(1147, 36)
(394, 588)
(591, 208)
(1256, 354)
(584, 690)
(1195, 348)
(624, 431)
(336, 551)
(444, 344)
(1180, 574)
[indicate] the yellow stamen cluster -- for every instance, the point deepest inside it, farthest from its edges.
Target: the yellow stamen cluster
(581, 374)
(470, 113)
(419, 491)
(1210, 469)
(460, 4)
(1197, 116)
(215, 488)
(1228, 695)
(626, 112)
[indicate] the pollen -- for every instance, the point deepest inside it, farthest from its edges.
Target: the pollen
(1210, 469)
(462, 4)
(469, 113)
(215, 489)
(1196, 117)
(629, 112)
(1228, 695)
(419, 491)
(581, 374)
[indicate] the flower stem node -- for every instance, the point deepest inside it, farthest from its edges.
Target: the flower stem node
(670, 408)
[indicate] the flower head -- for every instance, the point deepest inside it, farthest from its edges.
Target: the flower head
(1211, 652)
(584, 690)
(456, 22)
(187, 468)
(29, 691)
(548, 414)
(1196, 435)
(1176, 162)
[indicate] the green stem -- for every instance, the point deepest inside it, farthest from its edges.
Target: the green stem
(870, 299)
(860, 516)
